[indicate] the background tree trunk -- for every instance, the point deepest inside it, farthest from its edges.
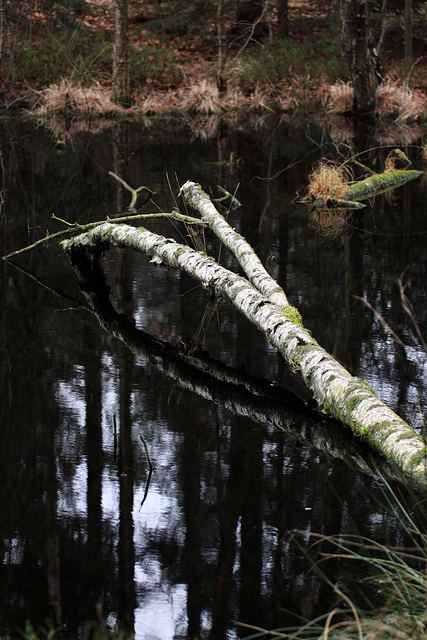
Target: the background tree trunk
(121, 91)
(360, 54)
(282, 19)
(222, 49)
(408, 39)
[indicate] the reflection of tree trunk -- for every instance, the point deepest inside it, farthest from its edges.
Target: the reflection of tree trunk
(251, 478)
(191, 470)
(126, 599)
(278, 592)
(121, 164)
(331, 487)
(93, 391)
(52, 544)
(354, 262)
(228, 513)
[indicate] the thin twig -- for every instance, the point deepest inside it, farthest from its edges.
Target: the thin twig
(77, 304)
(409, 310)
(76, 228)
(382, 321)
(150, 466)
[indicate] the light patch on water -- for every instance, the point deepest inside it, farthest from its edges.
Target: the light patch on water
(162, 615)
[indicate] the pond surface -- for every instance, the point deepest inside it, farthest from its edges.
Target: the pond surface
(205, 543)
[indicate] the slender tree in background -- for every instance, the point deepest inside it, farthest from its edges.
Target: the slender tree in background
(282, 19)
(1, 29)
(121, 90)
(222, 48)
(361, 56)
(408, 39)
(381, 39)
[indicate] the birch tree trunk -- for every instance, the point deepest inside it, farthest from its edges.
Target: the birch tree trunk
(261, 300)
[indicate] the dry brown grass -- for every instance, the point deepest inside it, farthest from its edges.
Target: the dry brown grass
(339, 98)
(394, 100)
(398, 101)
(72, 97)
(328, 180)
(202, 97)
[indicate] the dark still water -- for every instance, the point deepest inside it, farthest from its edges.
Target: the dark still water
(83, 535)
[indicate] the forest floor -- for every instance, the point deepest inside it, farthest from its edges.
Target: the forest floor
(61, 62)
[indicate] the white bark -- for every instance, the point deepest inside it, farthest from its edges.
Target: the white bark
(194, 195)
(239, 393)
(343, 396)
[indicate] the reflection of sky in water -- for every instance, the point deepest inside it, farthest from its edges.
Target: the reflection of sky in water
(381, 357)
(161, 609)
(67, 350)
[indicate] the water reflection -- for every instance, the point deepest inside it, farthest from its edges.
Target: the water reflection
(210, 542)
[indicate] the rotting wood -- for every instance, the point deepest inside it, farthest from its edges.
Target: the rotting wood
(340, 394)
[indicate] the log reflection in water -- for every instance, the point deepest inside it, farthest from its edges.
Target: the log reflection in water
(239, 393)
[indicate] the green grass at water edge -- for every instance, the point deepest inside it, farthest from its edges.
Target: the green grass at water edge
(398, 573)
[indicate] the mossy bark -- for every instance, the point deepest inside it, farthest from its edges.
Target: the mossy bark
(368, 188)
(342, 395)
(239, 392)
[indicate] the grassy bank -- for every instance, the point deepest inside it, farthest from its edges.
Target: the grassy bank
(57, 58)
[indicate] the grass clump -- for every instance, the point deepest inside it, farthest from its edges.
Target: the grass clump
(397, 576)
(328, 181)
(394, 100)
(68, 96)
(202, 97)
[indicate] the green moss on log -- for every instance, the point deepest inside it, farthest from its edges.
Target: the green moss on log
(380, 182)
(293, 315)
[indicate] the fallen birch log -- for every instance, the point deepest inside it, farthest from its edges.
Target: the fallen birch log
(240, 393)
(340, 394)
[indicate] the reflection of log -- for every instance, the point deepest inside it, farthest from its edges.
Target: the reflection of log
(342, 395)
(239, 393)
